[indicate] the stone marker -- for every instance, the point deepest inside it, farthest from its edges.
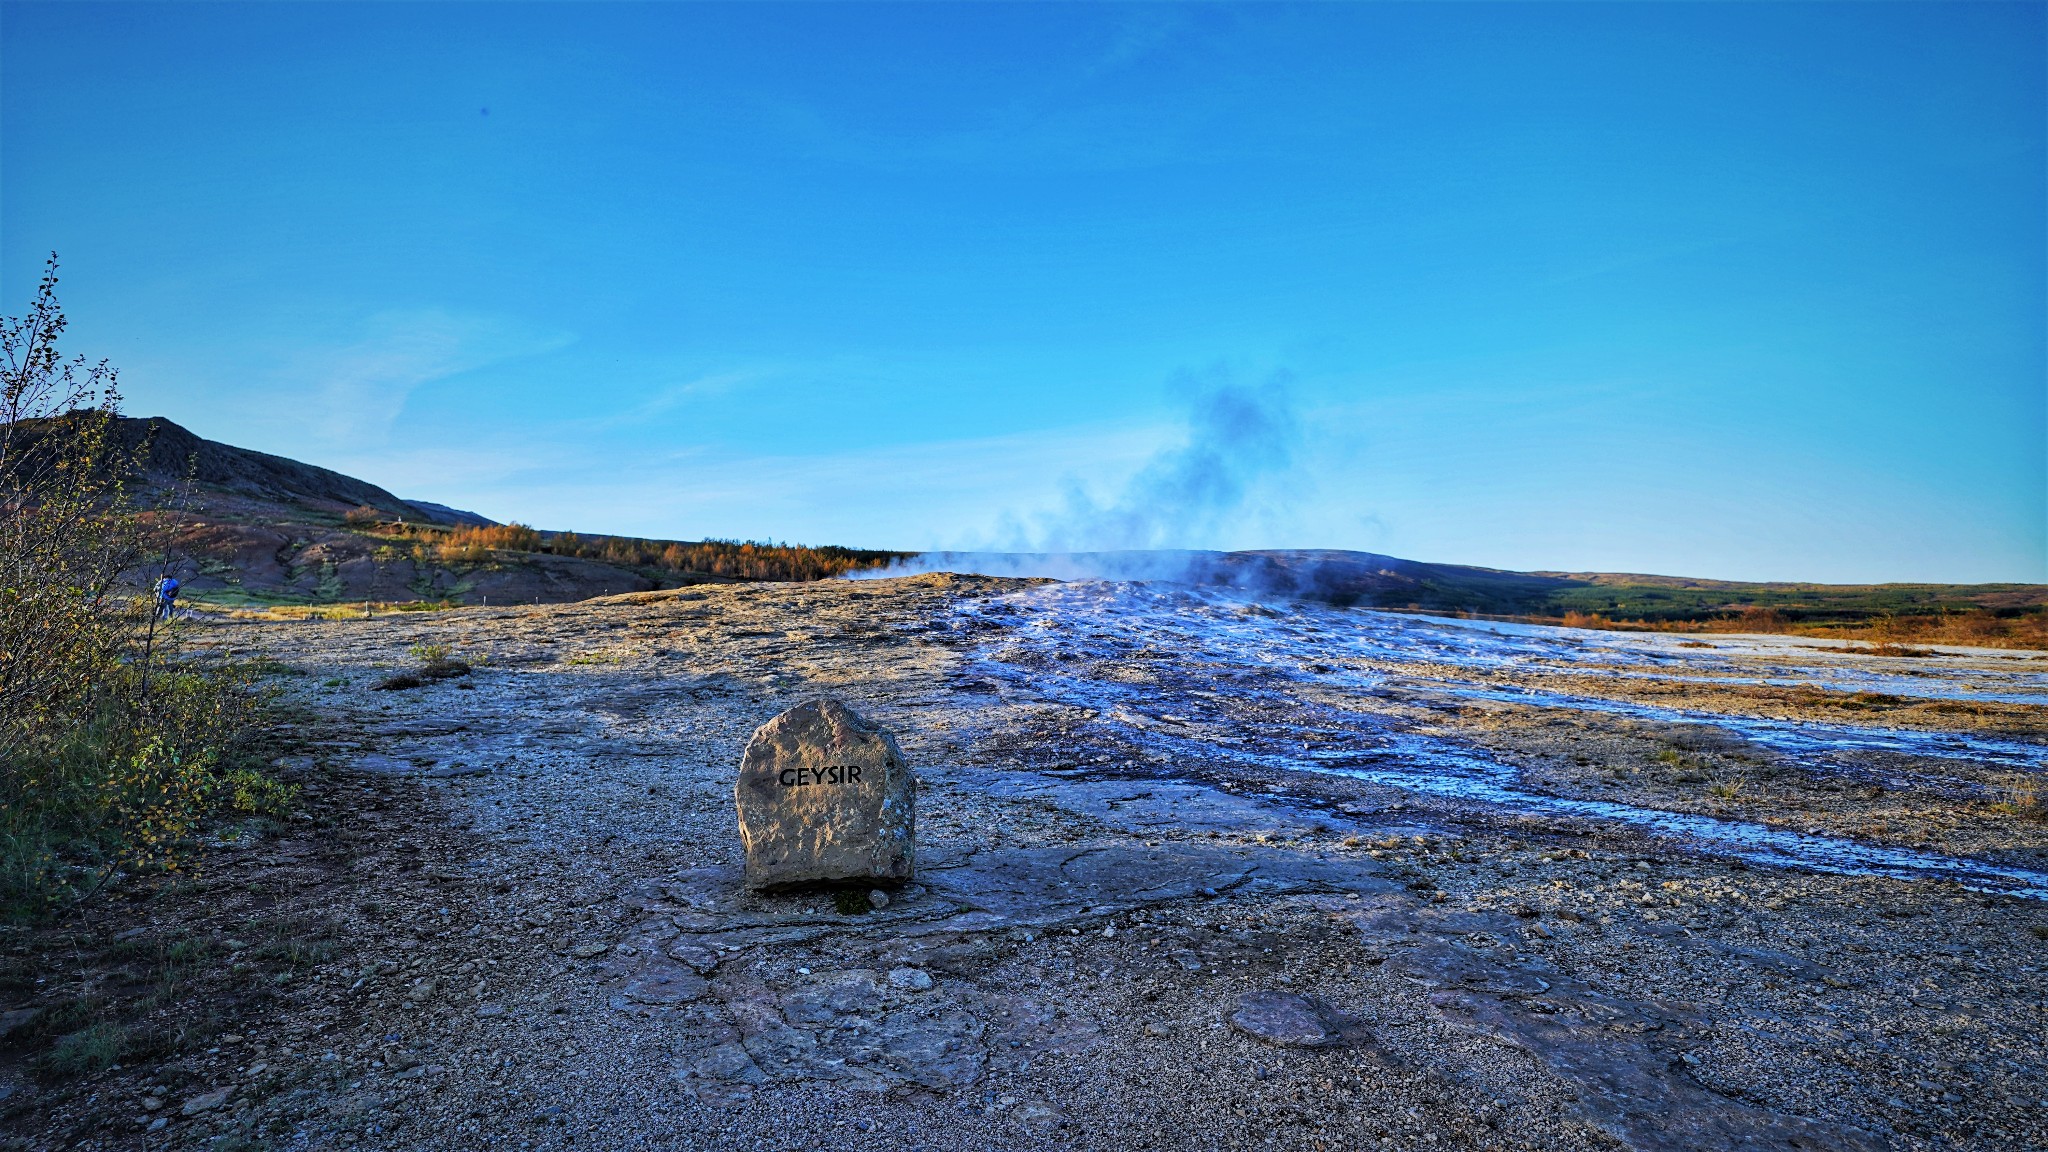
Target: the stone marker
(824, 796)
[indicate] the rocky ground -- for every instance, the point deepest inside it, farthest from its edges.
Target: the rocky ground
(509, 914)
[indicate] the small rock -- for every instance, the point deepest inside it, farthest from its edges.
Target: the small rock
(938, 1052)
(1038, 1116)
(914, 979)
(206, 1102)
(730, 1062)
(157, 1124)
(490, 1010)
(695, 955)
(1158, 1029)
(586, 951)
(665, 986)
(1292, 1020)
(878, 899)
(9, 1021)
(151, 1104)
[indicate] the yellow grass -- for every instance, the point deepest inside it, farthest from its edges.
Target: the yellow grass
(355, 610)
(1884, 635)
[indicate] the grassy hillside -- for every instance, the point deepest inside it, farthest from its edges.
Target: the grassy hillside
(244, 528)
(362, 556)
(1999, 615)
(1674, 598)
(1993, 615)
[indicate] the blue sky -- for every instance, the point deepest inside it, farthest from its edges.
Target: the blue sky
(1745, 290)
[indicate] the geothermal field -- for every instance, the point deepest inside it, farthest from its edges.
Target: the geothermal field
(1193, 871)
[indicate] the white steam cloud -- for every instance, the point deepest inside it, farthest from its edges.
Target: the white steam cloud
(1238, 438)
(1235, 465)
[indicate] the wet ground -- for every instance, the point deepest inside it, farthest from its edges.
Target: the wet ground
(1196, 872)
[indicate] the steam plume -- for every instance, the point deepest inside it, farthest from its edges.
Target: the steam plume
(1239, 441)
(1188, 494)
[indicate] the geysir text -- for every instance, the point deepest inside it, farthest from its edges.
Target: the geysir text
(830, 774)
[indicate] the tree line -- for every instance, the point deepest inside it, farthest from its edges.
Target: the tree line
(736, 559)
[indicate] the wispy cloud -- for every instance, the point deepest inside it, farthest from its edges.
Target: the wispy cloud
(882, 496)
(668, 397)
(354, 393)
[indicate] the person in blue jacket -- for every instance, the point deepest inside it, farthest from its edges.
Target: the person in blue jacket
(166, 597)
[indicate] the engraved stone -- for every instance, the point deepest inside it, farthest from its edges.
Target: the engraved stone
(825, 797)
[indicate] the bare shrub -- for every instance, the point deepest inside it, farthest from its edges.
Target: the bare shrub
(111, 747)
(437, 662)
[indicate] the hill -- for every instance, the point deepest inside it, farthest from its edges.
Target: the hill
(1995, 614)
(1390, 582)
(249, 528)
(169, 454)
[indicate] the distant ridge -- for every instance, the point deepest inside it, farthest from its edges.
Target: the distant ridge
(1959, 613)
(246, 472)
(174, 452)
(443, 514)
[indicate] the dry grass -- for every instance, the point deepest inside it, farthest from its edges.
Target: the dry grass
(2019, 797)
(1884, 635)
(353, 610)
